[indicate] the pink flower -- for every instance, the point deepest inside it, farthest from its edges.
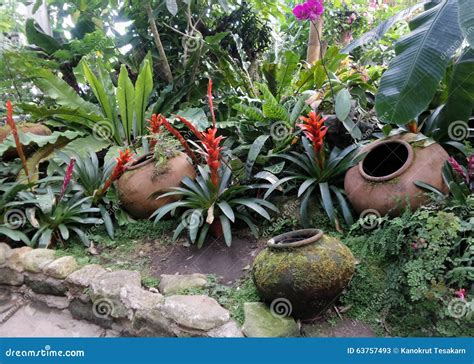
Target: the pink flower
(67, 178)
(310, 10)
(459, 170)
(461, 293)
(414, 246)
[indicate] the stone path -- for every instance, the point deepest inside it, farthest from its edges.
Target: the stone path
(22, 318)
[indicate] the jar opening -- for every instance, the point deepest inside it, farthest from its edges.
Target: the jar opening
(295, 238)
(140, 161)
(386, 160)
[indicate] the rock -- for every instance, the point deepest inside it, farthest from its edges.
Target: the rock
(230, 329)
(15, 260)
(152, 323)
(260, 322)
(137, 298)
(11, 277)
(36, 259)
(107, 289)
(5, 252)
(195, 312)
(81, 279)
(61, 268)
(172, 284)
(43, 284)
(51, 301)
(86, 311)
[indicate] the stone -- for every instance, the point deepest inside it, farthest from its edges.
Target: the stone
(61, 268)
(230, 329)
(195, 312)
(137, 298)
(172, 284)
(50, 301)
(81, 279)
(152, 323)
(87, 311)
(15, 260)
(11, 277)
(34, 320)
(43, 284)
(5, 252)
(260, 322)
(108, 286)
(34, 260)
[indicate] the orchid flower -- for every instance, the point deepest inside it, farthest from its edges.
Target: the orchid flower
(310, 10)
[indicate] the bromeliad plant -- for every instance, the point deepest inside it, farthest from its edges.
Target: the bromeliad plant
(315, 170)
(213, 200)
(95, 181)
(459, 179)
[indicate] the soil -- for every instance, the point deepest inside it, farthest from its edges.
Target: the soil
(342, 328)
(228, 264)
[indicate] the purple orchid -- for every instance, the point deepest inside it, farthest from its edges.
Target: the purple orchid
(310, 10)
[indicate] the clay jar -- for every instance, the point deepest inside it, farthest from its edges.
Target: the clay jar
(141, 179)
(302, 272)
(383, 181)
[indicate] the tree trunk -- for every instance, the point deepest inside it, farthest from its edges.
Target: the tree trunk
(158, 44)
(314, 43)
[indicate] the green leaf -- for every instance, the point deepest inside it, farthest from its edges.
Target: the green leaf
(85, 240)
(64, 231)
(298, 108)
(45, 238)
(305, 185)
(227, 210)
(172, 7)
(408, 86)
(109, 225)
(126, 101)
(251, 112)
(271, 108)
(429, 188)
(327, 201)
(343, 104)
(466, 20)
(254, 151)
(143, 90)
(202, 235)
(15, 235)
(346, 212)
(35, 35)
(352, 128)
(227, 229)
(197, 116)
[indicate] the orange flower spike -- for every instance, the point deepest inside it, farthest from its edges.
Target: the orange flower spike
(180, 138)
(191, 127)
(11, 123)
(314, 129)
(213, 153)
(123, 158)
(155, 127)
(211, 104)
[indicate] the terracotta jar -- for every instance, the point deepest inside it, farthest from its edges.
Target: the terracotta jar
(141, 179)
(384, 180)
(303, 270)
(37, 129)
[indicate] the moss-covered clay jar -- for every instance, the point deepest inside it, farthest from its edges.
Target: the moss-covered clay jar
(305, 268)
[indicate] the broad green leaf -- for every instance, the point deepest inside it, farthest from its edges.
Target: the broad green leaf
(226, 228)
(271, 107)
(227, 210)
(143, 89)
(251, 112)
(408, 86)
(61, 92)
(466, 20)
(172, 7)
(343, 104)
(327, 201)
(126, 101)
(197, 116)
(254, 151)
(15, 235)
(35, 35)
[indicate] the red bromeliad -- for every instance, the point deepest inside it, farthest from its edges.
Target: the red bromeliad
(315, 130)
(118, 170)
(14, 130)
(459, 170)
(210, 142)
(155, 127)
(67, 178)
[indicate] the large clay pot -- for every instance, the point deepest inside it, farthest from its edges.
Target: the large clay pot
(141, 180)
(384, 180)
(37, 129)
(304, 269)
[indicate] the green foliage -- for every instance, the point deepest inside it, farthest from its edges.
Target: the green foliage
(408, 271)
(205, 204)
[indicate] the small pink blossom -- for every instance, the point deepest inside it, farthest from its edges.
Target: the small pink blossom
(461, 293)
(458, 169)
(67, 178)
(414, 246)
(310, 10)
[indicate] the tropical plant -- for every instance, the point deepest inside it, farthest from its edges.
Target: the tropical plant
(421, 61)
(315, 171)
(120, 115)
(94, 181)
(55, 217)
(459, 179)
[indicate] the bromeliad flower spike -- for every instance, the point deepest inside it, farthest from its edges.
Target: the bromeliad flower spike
(14, 130)
(314, 129)
(119, 169)
(67, 178)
